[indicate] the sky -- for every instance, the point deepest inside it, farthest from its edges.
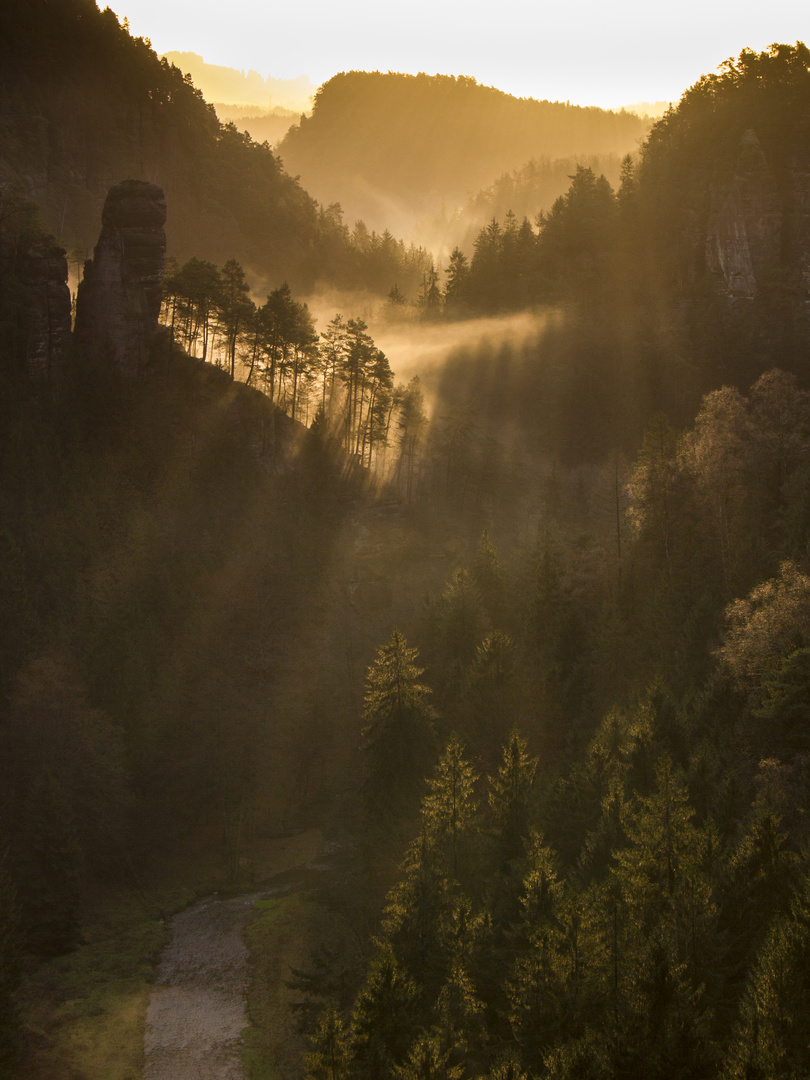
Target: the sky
(587, 52)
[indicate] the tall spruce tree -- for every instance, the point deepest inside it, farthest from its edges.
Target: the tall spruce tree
(399, 736)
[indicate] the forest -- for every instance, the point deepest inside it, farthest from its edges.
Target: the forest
(392, 148)
(520, 632)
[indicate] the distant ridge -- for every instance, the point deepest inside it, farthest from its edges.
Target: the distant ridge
(233, 87)
(391, 147)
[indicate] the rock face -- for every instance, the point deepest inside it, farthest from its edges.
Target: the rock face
(45, 312)
(757, 233)
(118, 304)
(745, 224)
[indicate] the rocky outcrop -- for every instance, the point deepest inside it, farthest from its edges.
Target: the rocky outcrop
(757, 234)
(44, 311)
(35, 311)
(118, 303)
(745, 224)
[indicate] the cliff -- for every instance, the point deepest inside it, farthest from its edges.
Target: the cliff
(118, 303)
(45, 311)
(757, 232)
(724, 199)
(34, 299)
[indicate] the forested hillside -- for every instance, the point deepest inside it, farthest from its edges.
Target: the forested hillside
(691, 271)
(392, 147)
(525, 192)
(84, 105)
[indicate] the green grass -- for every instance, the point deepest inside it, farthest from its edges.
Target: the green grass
(84, 1012)
(278, 939)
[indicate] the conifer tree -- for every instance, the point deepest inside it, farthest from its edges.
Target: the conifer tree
(427, 1060)
(383, 1020)
(429, 300)
(666, 883)
(459, 1014)
(235, 308)
(418, 923)
(328, 1056)
(488, 577)
(333, 352)
(493, 693)
(771, 1035)
(449, 807)
(412, 423)
(536, 986)
(509, 798)
(398, 730)
(455, 291)
(461, 620)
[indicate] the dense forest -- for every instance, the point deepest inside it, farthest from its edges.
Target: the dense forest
(525, 636)
(393, 148)
(524, 192)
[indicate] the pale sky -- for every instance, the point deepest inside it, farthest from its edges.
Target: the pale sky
(588, 52)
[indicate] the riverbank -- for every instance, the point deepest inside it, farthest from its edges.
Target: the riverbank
(84, 1013)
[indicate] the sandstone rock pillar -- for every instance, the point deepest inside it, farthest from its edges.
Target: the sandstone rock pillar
(118, 303)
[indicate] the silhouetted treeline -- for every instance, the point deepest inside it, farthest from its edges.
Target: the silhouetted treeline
(705, 216)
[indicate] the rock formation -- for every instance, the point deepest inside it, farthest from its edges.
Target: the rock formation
(745, 224)
(44, 311)
(118, 303)
(757, 234)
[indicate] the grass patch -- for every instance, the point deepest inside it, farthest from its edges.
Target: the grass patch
(84, 1012)
(278, 939)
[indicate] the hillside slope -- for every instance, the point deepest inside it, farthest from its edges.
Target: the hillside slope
(392, 144)
(83, 105)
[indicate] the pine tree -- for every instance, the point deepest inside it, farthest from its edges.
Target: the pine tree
(235, 308)
(771, 1035)
(428, 1060)
(418, 923)
(488, 577)
(459, 1014)
(666, 880)
(455, 291)
(429, 300)
(509, 798)
(461, 621)
(536, 985)
(493, 694)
